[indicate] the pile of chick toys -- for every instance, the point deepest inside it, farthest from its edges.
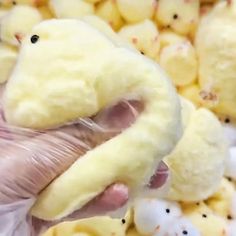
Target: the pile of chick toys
(179, 58)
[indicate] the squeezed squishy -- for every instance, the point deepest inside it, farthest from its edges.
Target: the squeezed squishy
(216, 49)
(89, 75)
(8, 57)
(197, 162)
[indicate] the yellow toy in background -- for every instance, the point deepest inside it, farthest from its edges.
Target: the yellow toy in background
(192, 93)
(136, 11)
(108, 11)
(180, 62)
(17, 23)
(221, 201)
(33, 3)
(144, 36)
(197, 162)
(180, 15)
(215, 44)
(169, 37)
(8, 57)
(71, 8)
(205, 220)
(85, 91)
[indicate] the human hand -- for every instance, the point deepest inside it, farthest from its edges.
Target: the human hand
(30, 160)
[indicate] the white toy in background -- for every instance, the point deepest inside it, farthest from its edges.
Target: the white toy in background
(17, 23)
(71, 8)
(178, 227)
(150, 214)
(180, 62)
(135, 11)
(144, 36)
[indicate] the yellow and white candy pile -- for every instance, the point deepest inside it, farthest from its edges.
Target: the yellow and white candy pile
(194, 41)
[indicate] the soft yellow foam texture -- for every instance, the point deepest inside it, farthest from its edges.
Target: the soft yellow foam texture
(205, 220)
(8, 57)
(71, 8)
(144, 36)
(197, 162)
(136, 11)
(182, 16)
(180, 62)
(82, 79)
(18, 22)
(216, 49)
(108, 11)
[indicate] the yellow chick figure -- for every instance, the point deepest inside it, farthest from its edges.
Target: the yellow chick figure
(180, 15)
(180, 62)
(90, 88)
(221, 201)
(17, 23)
(144, 36)
(205, 220)
(216, 49)
(71, 8)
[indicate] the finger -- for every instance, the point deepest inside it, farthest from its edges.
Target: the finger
(160, 177)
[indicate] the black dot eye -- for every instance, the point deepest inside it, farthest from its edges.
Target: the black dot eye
(175, 16)
(168, 210)
(229, 217)
(34, 39)
(204, 215)
(123, 221)
(185, 232)
(227, 120)
(14, 2)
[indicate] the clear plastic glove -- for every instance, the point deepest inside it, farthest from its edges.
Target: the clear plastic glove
(30, 160)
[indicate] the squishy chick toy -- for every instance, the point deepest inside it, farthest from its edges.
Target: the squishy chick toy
(87, 73)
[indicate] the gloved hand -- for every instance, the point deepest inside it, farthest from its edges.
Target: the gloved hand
(30, 160)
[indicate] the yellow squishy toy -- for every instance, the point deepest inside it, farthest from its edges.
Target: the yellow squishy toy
(8, 57)
(144, 36)
(89, 75)
(180, 15)
(216, 49)
(17, 23)
(180, 62)
(71, 8)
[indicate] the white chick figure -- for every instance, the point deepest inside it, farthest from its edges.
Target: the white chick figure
(178, 227)
(151, 215)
